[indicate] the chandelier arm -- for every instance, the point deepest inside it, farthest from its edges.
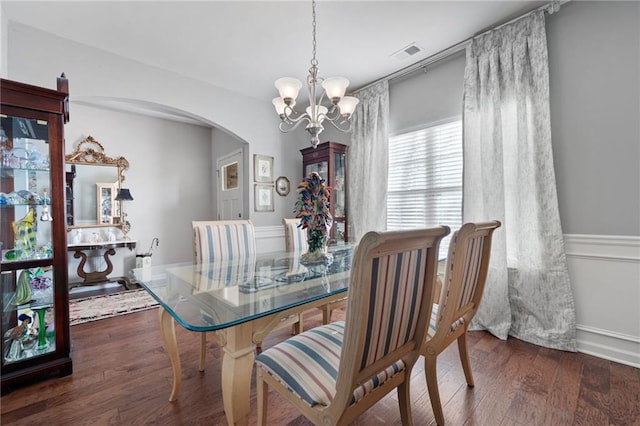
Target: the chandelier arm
(292, 116)
(338, 124)
(292, 124)
(333, 113)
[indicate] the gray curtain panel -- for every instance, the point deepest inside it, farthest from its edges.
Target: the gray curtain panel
(369, 162)
(509, 176)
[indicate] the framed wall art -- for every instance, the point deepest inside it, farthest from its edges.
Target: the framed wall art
(263, 198)
(262, 168)
(283, 186)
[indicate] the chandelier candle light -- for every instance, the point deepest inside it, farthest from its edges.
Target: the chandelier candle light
(338, 113)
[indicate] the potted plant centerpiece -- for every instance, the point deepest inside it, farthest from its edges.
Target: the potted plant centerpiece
(312, 208)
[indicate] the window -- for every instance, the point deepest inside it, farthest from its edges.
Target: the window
(425, 179)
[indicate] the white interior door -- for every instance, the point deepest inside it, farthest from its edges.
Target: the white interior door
(229, 186)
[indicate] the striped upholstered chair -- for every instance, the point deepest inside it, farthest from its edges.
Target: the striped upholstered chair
(462, 288)
(335, 372)
(224, 241)
(295, 239)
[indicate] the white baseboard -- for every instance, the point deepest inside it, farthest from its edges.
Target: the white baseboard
(605, 277)
(605, 344)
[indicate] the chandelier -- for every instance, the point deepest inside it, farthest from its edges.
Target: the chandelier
(339, 111)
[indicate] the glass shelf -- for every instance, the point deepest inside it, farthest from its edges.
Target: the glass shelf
(6, 171)
(23, 205)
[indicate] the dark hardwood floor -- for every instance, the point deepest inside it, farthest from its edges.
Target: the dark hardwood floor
(122, 376)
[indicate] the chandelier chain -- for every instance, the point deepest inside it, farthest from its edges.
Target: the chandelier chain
(314, 61)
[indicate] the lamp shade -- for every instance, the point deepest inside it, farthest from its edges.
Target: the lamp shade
(347, 105)
(124, 195)
(288, 87)
(335, 87)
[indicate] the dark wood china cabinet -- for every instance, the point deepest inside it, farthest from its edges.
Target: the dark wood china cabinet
(329, 159)
(33, 238)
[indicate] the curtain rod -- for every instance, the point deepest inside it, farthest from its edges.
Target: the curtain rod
(549, 8)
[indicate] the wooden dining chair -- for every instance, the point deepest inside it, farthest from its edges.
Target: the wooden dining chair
(295, 238)
(224, 240)
(296, 241)
(221, 240)
(335, 372)
(462, 288)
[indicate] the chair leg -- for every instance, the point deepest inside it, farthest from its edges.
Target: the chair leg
(297, 327)
(326, 314)
(432, 385)
(404, 401)
(464, 358)
(203, 350)
(262, 397)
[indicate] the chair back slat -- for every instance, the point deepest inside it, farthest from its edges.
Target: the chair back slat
(472, 262)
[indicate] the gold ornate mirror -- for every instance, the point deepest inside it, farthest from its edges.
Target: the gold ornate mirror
(92, 183)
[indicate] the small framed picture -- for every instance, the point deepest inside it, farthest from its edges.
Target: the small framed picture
(263, 198)
(283, 186)
(106, 204)
(262, 168)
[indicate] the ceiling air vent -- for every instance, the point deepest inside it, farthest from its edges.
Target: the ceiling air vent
(407, 51)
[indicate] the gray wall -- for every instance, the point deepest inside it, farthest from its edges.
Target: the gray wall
(427, 97)
(163, 186)
(96, 75)
(594, 60)
(594, 71)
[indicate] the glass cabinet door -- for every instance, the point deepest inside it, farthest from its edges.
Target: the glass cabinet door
(321, 167)
(329, 160)
(338, 193)
(27, 278)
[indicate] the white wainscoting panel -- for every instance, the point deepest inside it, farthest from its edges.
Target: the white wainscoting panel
(605, 277)
(269, 238)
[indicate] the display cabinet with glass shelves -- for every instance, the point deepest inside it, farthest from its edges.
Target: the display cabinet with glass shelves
(33, 265)
(329, 159)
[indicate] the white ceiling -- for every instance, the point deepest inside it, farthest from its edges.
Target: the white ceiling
(245, 46)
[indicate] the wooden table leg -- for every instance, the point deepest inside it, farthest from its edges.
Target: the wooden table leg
(168, 331)
(237, 367)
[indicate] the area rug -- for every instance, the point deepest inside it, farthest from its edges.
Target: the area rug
(109, 305)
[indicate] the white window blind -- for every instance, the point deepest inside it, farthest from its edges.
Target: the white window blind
(425, 179)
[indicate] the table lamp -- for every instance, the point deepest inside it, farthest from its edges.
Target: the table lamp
(124, 195)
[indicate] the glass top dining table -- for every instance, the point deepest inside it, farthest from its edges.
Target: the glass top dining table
(241, 300)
